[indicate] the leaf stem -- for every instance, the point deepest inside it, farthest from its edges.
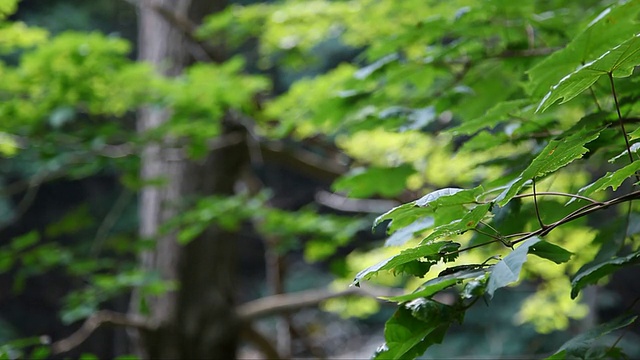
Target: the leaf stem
(554, 193)
(624, 132)
(535, 203)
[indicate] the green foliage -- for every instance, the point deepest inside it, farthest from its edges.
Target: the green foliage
(487, 75)
(449, 103)
(581, 345)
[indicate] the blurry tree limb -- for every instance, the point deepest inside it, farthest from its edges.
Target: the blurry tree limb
(276, 304)
(95, 321)
(342, 203)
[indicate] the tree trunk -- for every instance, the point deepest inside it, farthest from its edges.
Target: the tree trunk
(197, 320)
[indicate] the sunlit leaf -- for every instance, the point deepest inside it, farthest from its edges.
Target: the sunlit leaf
(619, 61)
(611, 27)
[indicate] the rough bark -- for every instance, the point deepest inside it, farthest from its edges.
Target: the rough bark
(196, 320)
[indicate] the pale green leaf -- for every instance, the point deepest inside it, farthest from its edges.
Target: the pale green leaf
(507, 270)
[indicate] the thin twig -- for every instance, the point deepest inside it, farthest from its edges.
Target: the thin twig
(583, 211)
(554, 193)
(535, 203)
(95, 321)
(276, 304)
(624, 132)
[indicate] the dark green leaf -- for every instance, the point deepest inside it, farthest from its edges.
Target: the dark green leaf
(591, 273)
(549, 251)
(440, 283)
(581, 344)
(24, 241)
(508, 269)
(414, 327)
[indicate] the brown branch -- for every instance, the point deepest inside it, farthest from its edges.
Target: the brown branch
(95, 321)
(276, 304)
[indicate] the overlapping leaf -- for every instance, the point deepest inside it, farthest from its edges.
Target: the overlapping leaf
(405, 256)
(619, 62)
(613, 26)
(440, 283)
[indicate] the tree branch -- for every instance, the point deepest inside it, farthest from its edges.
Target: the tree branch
(342, 203)
(276, 304)
(95, 321)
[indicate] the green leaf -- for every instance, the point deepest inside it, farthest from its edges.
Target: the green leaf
(438, 284)
(414, 327)
(449, 197)
(402, 216)
(549, 251)
(407, 233)
(612, 26)
(556, 154)
(469, 221)
(24, 241)
(581, 344)
(591, 273)
(362, 183)
(611, 179)
(500, 112)
(507, 270)
(404, 257)
(619, 61)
